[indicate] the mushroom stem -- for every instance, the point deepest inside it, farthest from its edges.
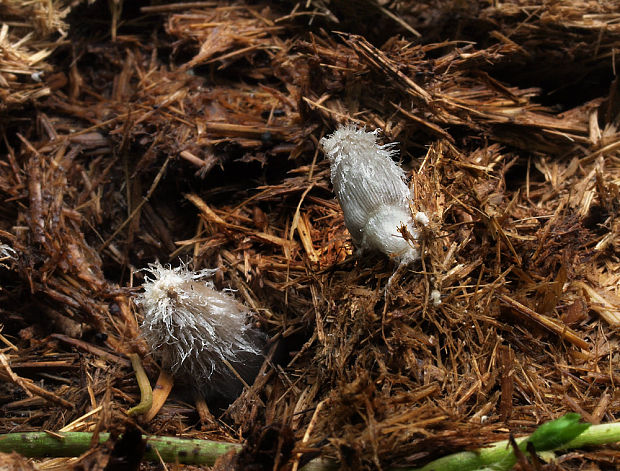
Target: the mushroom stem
(146, 393)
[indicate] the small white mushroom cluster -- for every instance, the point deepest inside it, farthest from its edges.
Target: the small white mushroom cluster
(200, 334)
(373, 193)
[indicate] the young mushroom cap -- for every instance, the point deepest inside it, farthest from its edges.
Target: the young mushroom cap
(200, 334)
(372, 191)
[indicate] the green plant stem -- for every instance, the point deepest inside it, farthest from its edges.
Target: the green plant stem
(171, 449)
(602, 434)
(502, 453)
(472, 460)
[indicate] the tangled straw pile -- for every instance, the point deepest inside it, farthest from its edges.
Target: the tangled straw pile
(192, 131)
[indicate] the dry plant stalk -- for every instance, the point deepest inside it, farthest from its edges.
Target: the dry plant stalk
(516, 159)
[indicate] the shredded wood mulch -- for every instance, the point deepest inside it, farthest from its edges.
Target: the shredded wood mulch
(188, 132)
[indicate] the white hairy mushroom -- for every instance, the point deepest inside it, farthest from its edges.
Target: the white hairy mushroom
(200, 334)
(372, 192)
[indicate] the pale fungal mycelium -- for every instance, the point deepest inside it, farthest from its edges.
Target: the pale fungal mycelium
(373, 193)
(199, 334)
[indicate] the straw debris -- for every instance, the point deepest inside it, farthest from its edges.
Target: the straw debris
(189, 133)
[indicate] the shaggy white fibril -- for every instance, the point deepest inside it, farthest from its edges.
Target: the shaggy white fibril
(372, 192)
(6, 252)
(198, 332)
